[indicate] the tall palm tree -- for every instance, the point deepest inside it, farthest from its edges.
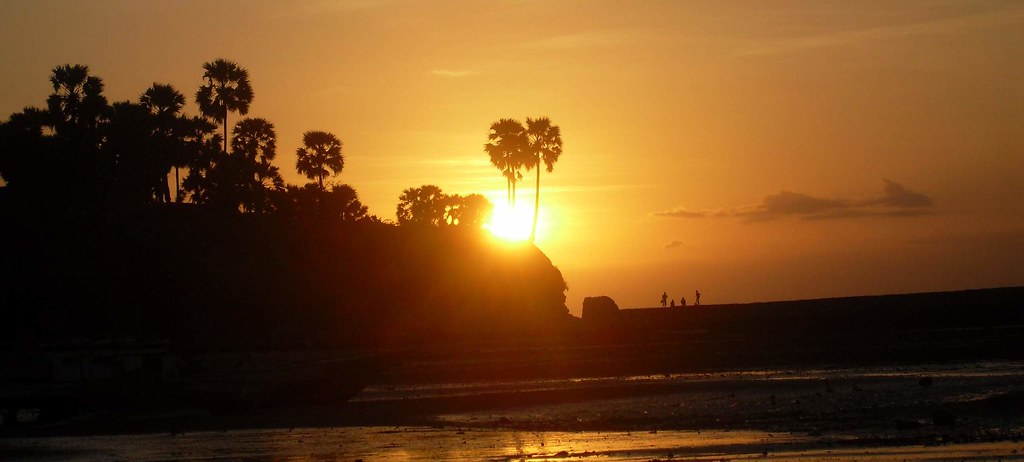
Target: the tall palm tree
(320, 151)
(165, 103)
(545, 145)
(506, 150)
(226, 88)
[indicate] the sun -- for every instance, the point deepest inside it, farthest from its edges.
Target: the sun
(510, 223)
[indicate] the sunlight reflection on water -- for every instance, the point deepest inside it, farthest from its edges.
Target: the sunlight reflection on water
(985, 369)
(377, 443)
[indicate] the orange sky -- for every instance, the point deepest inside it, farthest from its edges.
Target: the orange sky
(753, 150)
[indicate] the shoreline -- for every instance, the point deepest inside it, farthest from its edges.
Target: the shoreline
(452, 444)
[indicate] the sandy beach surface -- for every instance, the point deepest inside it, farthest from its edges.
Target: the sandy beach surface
(457, 444)
(963, 411)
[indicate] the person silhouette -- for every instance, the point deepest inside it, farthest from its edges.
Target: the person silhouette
(664, 299)
(698, 298)
(673, 304)
(682, 301)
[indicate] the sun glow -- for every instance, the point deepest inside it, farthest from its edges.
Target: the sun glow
(511, 223)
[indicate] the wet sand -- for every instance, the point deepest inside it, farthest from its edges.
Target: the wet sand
(921, 412)
(454, 444)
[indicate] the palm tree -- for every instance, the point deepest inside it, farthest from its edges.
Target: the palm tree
(471, 211)
(506, 150)
(545, 144)
(424, 205)
(255, 145)
(77, 103)
(320, 151)
(255, 139)
(165, 103)
(226, 89)
(200, 153)
(76, 110)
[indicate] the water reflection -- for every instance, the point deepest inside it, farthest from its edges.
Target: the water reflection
(376, 443)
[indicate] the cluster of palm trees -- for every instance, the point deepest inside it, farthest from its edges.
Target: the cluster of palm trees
(83, 149)
(513, 147)
(428, 205)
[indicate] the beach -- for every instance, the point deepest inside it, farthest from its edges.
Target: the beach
(904, 412)
(437, 444)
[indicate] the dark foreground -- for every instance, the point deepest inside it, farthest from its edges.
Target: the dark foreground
(720, 382)
(967, 411)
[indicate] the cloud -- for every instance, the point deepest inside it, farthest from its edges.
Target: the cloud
(681, 213)
(791, 203)
(452, 74)
(673, 244)
(896, 201)
(898, 196)
(585, 40)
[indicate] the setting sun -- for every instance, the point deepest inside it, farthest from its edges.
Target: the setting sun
(511, 223)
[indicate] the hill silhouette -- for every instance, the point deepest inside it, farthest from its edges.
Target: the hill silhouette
(207, 280)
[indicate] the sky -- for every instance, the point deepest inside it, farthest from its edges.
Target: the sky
(754, 151)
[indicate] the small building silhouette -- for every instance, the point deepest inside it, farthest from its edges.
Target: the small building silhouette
(600, 309)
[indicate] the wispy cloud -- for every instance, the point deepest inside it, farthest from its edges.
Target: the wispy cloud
(896, 201)
(452, 74)
(584, 40)
(673, 244)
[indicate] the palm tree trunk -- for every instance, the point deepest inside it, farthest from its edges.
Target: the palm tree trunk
(508, 191)
(536, 204)
(177, 185)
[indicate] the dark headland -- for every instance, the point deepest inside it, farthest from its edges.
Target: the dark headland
(162, 300)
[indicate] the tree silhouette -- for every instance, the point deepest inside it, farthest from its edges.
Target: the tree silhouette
(76, 109)
(507, 151)
(226, 89)
(545, 145)
(165, 103)
(201, 150)
(77, 104)
(424, 205)
(255, 139)
(137, 168)
(255, 145)
(320, 151)
(342, 203)
(26, 153)
(472, 210)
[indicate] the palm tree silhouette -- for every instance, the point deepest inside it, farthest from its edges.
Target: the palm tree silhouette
(77, 103)
(545, 144)
(255, 144)
(320, 151)
(506, 150)
(226, 89)
(165, 103)
(424, 205)
(255, 139)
